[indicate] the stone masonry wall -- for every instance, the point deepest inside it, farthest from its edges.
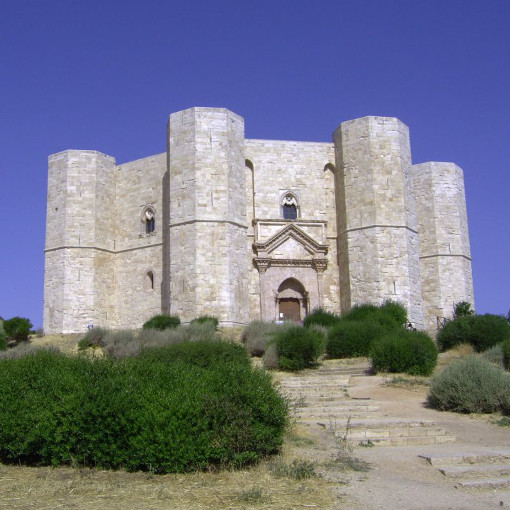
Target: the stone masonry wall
(304, 168)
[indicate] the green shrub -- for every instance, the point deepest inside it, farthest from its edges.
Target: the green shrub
(258, 334)
(93, 338)
(321, 317)
(352, 338)
(3, 341)
(505, 349)
(162, 322)
(202, 353)
(411, 352)
(17, 328)
(470, 385)
(206, 318)
(462, 309)
(122, 344)
(495, 355)
(157, 412)
(481, 331)
(298, 347)
(390, 314)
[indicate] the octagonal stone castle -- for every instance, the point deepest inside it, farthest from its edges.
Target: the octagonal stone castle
(253, 229)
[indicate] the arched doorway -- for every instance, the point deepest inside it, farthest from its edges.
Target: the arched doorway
(291, 301)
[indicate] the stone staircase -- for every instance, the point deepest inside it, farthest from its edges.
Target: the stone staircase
(321, 399)
(482, 470)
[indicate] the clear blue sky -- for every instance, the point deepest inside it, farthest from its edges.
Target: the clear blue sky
(105, 75)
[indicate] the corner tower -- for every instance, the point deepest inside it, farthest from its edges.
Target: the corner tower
(377, 227)
(208, 263)
(79, 284)
(445, 255)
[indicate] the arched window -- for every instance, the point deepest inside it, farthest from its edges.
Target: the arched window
(149, 220)
(149, 281)
(289, 207)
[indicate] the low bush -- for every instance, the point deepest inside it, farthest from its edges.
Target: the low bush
(471, 385)
(298, 347)
(411, 352)
(93, 338)
(17, 328)
(505, 349)
(23, 349)
(390, 315)
(495, 355)
(163, 411)
(206, 318)
(352, 338)
(321, 317)
(162, 322)
(3, 341)
(257, 335)
(121, 344)
(481, 331)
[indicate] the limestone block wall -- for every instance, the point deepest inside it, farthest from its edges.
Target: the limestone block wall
(378, 237)
(140, 184)
(79, 287)
(445, 255)
(306, 169)
(207, 231)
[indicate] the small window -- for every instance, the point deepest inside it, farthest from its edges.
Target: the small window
(149, 220)
(289, 207)
(149, 281)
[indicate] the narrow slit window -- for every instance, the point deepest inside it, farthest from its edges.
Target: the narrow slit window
(149, 218)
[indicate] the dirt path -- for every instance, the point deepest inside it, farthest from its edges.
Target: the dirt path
(399, 477)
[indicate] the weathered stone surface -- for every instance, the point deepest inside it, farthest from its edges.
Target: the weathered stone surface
(368, 226)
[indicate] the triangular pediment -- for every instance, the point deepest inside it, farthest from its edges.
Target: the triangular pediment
(295, 239)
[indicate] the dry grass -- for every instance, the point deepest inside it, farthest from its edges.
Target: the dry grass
(48, 488)
(458, 352)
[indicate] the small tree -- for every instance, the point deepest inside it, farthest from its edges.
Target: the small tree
(17, 328)
(462, 309)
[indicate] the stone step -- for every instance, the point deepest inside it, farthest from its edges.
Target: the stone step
(395, 432)
(329, 403)
(500, 456)
(315, 384)
(337, 410)
(379, 423)
(402, 441)
(476, 471)
(487, 483)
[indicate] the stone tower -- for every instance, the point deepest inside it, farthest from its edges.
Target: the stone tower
(207, 230)
(445, 255)
(79, 273)
(376, 216)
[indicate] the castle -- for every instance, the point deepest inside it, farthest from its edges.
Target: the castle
(253, 229)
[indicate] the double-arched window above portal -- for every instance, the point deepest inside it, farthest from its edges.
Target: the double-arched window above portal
(289, 206)
(148, 220)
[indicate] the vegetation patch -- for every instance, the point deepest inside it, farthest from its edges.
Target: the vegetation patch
(471, 385)
(411, 352)
(349, 338)
(17, 328)
(257, 335)
(320, 317)
(206, 319)
(162, 322)
(172, 409)
(298, 347)
(481, 331)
